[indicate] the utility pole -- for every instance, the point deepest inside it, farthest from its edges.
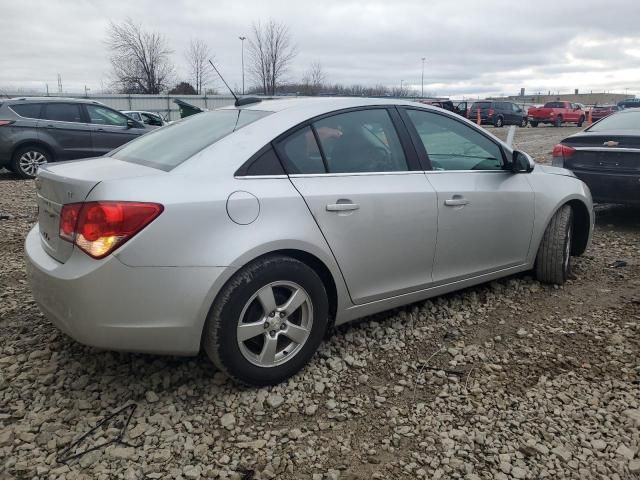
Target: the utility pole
(422, 82)
(59, 84)
(242, 39)
(401, 88)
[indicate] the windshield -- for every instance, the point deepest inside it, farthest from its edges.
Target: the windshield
(617, 121)
(167, 147)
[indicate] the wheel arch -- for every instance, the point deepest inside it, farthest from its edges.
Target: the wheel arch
(581, 226)
(332, 284)
(32, 143)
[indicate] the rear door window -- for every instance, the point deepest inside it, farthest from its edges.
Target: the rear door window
(63, 112)
(361, 141)
(301, 153)
(28, 110)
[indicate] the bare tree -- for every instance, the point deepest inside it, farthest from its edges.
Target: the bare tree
(314, 79)
(270, 53)
(140, 59)
(197, 56)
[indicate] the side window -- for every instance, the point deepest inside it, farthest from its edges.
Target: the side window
(361, 141)
(265, 164)
(452, 145)
(105, 116)
(151, 119)
(515, 108)
(27, 110)
(63, 112)
(301, 153)
(134, 115)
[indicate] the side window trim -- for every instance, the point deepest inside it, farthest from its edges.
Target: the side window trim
(244, 168)
(420, 147)
(320, 147)
(413, 163)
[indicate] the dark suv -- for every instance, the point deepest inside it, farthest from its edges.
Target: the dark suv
(498, 113)
(34, 131)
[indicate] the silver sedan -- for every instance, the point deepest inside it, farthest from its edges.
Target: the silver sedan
(249, 231)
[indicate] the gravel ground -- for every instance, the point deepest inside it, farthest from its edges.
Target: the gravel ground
(511, 379)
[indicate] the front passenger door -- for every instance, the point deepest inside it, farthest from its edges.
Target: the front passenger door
(110, 129)
(485, 212)
(369, 198)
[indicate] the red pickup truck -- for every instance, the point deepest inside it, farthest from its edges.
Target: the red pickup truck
(557, 113)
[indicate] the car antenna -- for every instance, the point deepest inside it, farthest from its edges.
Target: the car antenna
(239, 101)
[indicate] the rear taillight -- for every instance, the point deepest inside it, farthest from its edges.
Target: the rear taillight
(99, 228)
(491, 112)
(5, 122)
(563, 151)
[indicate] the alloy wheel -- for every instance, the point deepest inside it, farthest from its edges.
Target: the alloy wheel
(274, 324)
(29, 162)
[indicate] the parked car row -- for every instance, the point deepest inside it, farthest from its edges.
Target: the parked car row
(35, 131)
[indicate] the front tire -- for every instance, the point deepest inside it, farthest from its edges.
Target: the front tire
(523, 122)
(553, 262)
(267, 321)
(26, 160)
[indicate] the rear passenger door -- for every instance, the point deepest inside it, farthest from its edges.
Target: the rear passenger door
(109, 129)
(64, 127)
(360, 178)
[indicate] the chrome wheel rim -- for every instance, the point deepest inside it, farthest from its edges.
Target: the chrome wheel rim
(275, 324)
(30, 161)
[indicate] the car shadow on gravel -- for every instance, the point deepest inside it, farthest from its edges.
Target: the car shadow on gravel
(618, 217)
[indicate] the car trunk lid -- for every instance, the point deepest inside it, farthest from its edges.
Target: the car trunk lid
(603, 152)
(71, 182)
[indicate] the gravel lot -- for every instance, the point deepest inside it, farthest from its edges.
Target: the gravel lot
(511, 379)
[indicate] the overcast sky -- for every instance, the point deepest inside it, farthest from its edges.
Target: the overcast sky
(471, 47)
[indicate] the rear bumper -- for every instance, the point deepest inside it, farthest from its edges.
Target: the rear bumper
(106, 304)
(607, 187)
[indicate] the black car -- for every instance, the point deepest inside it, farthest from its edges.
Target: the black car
(459, 107)
(34, 131)
(498, 113)
(606, 156)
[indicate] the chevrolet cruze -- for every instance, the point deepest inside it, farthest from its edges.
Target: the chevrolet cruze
(249, 230)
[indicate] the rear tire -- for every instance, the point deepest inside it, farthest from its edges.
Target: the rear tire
(580, 121)
(254, 346)
(499, 122)
(523, 122)
(558, 122)
(553, 262)
(26, 160)
(533, 124)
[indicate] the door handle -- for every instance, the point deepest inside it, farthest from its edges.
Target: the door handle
(456, 202)
(342, 207)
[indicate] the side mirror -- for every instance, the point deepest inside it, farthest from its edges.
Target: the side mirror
(131, 123)
(521, 162)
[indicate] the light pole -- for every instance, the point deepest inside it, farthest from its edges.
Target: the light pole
(422, 91)
(401, 87)
(242, 39)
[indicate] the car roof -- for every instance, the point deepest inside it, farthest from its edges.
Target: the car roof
(322, 104)
(54, 100)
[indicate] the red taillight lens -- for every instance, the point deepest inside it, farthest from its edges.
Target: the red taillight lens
(69, 220)
(491, 112)
(98, 228)
(563, 151)
(5, 122)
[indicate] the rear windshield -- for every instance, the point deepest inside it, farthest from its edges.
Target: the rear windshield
(167, 147)
(618, 121)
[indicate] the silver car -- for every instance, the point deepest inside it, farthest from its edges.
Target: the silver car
(249, 231)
